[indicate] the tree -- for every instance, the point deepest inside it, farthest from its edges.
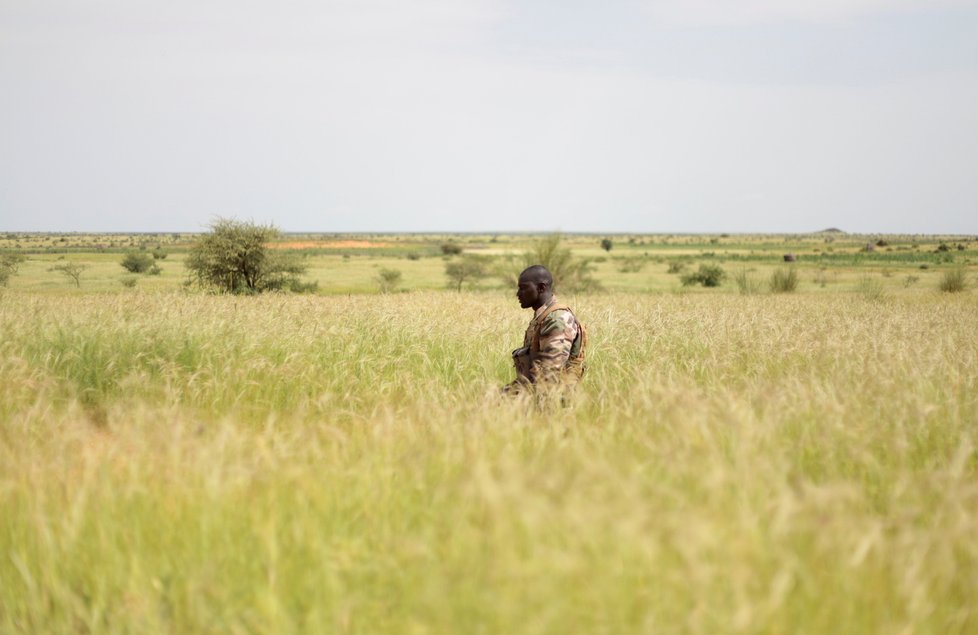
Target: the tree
(136, 262)
(466, 269)
(388, 280)
(606, 244)
(235, 258)
(570, 273)
(9, 264)
(71, 270)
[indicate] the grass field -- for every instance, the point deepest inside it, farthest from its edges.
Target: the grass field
(173, 462)
(347, 264)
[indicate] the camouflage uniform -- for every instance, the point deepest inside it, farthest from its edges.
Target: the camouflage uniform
(547, 345)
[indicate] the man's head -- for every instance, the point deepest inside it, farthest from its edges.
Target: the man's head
(535, 287)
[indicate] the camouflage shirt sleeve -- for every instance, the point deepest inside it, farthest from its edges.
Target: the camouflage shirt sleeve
(557, 334)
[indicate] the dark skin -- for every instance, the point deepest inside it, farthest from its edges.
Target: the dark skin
(535, 287)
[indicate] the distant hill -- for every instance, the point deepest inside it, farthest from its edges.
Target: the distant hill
(831, 230)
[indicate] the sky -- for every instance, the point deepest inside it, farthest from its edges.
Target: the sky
(490, 115)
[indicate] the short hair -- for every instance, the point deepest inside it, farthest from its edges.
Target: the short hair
(538, 274)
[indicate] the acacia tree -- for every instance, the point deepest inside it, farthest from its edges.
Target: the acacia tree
(466, 269)
(570, 272)
(234, 257)
(71, 270)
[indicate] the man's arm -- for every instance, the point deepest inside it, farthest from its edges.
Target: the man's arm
(557, 334)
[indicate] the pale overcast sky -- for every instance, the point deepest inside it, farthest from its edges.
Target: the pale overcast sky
(490, 115)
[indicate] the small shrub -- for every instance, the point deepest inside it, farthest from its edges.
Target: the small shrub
(676, 267)
(909, 281)
(631, 265)
(129, 282)
(606, 244)
(135, 262)
(784, 280)
(388, 279)
(451, 249)
(413, 256)
(954, 281)
(706, 275)
(943, 247)
(154, 270)
(298, 286)
(159, 254)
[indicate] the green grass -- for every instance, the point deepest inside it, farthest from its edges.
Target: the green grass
(733, 464)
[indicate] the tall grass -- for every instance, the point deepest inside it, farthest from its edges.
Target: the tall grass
(746, 283)
(185, 464)
(871, 288)
(954, 280)
(784, 280)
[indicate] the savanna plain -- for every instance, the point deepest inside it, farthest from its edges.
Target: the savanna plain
(740, 458)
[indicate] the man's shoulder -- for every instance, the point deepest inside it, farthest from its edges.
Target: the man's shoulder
(558, 319)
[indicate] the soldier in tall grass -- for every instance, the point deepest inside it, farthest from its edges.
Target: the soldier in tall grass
(552, 355)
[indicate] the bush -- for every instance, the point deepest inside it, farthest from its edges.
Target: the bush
(606, 244)
(954, 281)
(159, 254)
(129, 282)
(451, 249)
(706, 275)
(154, 270)
(784, 280)
(413, 256)
(676, 267)
(388, 279)
(298, 286)
(631, 265)
(9, 264)
(135, 262)
(234, 257)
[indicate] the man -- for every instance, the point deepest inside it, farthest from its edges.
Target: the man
(552, 355)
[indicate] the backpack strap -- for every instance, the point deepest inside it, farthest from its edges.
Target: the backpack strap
(554, 307)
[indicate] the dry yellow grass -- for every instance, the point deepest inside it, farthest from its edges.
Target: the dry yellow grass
(759, 464)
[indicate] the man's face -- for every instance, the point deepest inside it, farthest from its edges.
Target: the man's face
(527, 292)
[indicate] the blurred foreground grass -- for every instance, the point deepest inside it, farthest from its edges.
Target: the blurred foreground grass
(761, 464)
